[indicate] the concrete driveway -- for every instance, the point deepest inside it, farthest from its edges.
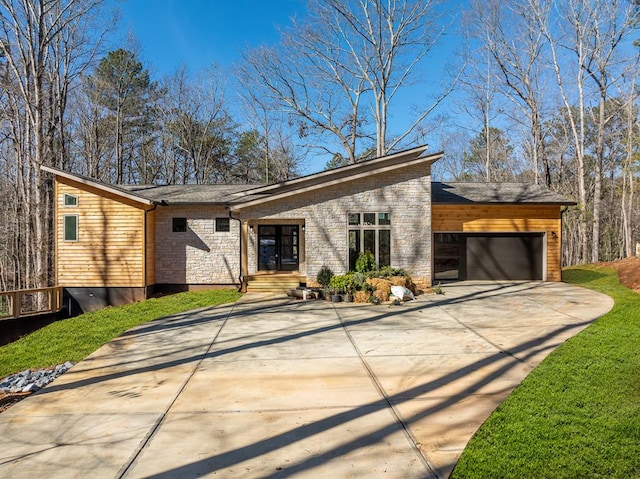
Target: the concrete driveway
(270, 387)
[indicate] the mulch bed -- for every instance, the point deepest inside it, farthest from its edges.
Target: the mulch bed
(628, 272)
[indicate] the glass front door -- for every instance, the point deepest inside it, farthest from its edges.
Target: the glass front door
(278, 247)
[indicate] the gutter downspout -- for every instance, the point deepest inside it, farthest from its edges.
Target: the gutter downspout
(240, 278)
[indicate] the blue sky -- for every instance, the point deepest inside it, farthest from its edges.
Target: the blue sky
(199, 33)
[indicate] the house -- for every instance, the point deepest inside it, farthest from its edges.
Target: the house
(116, 244)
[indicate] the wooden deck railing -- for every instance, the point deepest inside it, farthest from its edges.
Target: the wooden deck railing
(28, 302)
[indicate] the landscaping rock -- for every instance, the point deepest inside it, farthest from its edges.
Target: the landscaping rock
(28, 381)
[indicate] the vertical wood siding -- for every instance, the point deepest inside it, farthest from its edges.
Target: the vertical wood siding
(505, 219)
(110, 247)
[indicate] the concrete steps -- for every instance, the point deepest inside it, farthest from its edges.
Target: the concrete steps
(274, 282)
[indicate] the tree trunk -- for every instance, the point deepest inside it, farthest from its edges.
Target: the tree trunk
(597, 181)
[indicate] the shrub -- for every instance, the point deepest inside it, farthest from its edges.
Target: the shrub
(324, 276)
(359, 280)
(366, 262)
(339, 283)
(388, 272)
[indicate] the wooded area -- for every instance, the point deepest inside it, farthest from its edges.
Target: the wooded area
(540, 91)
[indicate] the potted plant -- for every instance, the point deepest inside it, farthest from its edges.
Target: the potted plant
(324, 278)
(349, 287)
(337, 284)
(327, 293)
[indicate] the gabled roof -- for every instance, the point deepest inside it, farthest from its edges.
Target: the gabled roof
(495, 193)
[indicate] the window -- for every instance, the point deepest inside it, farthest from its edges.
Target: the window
(70, 200)
(222, 225)
(71, 227)
(179, 225)
(369, 219)
(369, 232)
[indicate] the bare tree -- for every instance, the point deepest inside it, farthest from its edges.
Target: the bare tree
(197, 129)
(307, 79)
(515, 44)
(591, 32)
(605, 23)
(339, 72)
(479, 101)
(44, 48)
(386, 41)
(631, 144)
(280, 158)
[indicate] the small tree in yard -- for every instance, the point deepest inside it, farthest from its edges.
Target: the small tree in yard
(366, 262)
(324, 276)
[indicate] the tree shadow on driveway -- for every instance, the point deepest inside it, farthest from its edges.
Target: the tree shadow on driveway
(198, 347)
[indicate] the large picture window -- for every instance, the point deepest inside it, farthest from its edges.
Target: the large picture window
(369, 232)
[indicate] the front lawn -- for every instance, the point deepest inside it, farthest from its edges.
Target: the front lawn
(577, 415)
(75, 338)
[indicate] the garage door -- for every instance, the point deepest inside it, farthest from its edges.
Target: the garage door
(488, 256)
(504, 257)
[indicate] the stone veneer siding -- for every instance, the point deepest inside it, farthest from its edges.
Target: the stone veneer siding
(201, 255)
(405, 193)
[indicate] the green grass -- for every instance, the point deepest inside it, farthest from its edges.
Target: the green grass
(75, 338)
(577, 415)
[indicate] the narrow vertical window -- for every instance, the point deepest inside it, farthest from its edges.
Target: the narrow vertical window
(369, 241)
(354, 248)
(384, 248)
(71, 227)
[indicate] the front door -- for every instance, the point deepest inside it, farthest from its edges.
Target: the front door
(278, 247)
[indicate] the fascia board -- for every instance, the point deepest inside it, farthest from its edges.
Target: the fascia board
(338, 171)
(384, 169)
(98, 185)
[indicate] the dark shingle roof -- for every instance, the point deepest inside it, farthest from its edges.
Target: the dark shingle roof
(495, 193)
(186, 194)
